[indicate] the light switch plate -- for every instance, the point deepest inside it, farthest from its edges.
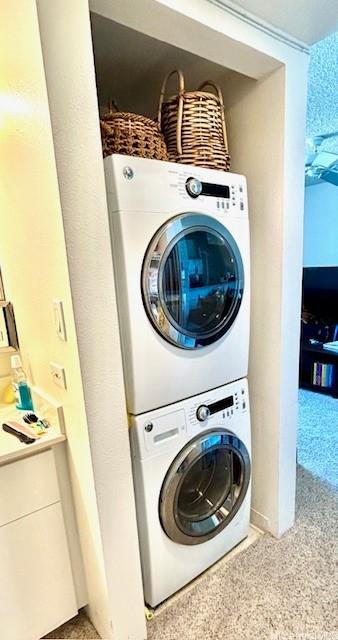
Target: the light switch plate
(59, 320)
(58, 374)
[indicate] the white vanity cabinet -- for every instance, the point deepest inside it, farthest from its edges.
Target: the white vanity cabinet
(37, 591)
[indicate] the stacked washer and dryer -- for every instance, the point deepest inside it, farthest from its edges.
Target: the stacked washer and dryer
(180, 238)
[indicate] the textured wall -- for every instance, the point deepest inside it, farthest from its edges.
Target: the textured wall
(321, 200)
(322, 114)
(321, 226)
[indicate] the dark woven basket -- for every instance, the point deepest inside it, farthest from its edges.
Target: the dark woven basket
(131, 134)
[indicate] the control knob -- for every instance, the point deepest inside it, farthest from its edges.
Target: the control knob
(193, 187)
(202, 413)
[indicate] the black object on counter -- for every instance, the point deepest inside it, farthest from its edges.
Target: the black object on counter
(23, 437)
(30, 418)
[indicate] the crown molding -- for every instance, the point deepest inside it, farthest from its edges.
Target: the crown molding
(261, 25)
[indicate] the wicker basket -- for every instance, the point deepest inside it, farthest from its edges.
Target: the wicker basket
(193, 125)
(131, 134)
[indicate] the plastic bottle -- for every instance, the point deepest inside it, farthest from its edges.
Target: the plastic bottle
(20, 385)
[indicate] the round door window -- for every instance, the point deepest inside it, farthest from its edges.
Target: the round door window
(204, 487)
(193, 280)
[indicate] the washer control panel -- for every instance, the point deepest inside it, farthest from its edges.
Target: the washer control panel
(168, 428)
(202, 413)
(218, 406)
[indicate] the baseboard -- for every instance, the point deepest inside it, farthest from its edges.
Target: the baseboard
(258, 520)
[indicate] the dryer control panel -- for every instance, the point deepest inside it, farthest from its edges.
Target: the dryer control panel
(225, 195)
(138, 184)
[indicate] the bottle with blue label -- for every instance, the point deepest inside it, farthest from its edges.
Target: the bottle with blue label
(20, 385)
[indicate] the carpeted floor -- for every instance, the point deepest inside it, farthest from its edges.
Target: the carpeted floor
(74, 629)
(276, 589)
(318, 435)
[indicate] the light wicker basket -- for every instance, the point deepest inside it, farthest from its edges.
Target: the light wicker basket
(193, 125)
(131, 134)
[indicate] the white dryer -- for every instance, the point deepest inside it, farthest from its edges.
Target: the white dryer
(180, 237)
(192, 468)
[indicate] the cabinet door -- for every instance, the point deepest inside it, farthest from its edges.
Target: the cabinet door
(27, 485)
(36, 583)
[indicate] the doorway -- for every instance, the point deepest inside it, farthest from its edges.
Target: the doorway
(318, 405)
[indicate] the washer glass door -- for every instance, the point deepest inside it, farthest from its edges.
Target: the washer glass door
(192, 280)
(204, 487)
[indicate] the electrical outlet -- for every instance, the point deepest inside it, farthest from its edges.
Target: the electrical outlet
(59, 320)
(58, 374)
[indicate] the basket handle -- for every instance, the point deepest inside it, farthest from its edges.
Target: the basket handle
(210, 83)
(112, 106)
(180, 75)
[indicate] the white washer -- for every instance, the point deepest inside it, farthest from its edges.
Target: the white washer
(180, 238)
(192, 468)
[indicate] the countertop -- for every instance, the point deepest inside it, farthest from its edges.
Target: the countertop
(11, 448)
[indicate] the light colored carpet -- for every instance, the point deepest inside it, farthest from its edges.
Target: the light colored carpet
(276, 589)
(74, 629)
(318, 435)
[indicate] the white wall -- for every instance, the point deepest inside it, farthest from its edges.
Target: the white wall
(321, 225)
(34, 262)
(74, 115)
(264, 134)
(257, 107)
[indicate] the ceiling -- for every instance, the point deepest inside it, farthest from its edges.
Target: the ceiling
(305, 20)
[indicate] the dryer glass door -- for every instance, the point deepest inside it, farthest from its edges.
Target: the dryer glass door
(204, 487)
(193, 280)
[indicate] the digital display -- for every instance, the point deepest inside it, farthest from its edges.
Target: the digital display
(216, 190)
(220, 405)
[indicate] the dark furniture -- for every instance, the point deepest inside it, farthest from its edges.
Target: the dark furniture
(319, 322)
(314, 353)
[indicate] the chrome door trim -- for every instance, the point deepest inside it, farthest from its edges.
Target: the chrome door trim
(188, 456)
(151, 279)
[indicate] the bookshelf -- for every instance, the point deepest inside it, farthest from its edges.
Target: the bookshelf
(309, 354)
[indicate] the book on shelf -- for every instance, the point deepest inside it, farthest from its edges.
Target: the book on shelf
(323, 374)
(331, 346)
